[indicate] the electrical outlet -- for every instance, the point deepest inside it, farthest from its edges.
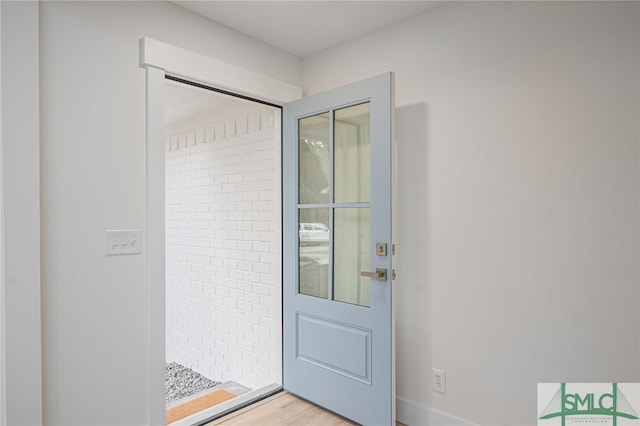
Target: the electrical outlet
(439, 380)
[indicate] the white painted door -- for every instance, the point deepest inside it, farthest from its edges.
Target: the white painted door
(338, 317)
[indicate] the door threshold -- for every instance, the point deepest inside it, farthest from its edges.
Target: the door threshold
(226, 407)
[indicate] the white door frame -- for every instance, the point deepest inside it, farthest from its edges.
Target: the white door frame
(20, 324)
(159, 58)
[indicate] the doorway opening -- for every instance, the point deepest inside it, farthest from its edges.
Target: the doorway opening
(222, 252)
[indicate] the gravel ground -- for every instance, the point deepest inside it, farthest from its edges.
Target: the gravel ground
(182, 382)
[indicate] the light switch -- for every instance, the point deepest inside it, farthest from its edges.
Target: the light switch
(124, 241)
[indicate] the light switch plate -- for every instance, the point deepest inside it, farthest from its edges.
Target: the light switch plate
(123, 241)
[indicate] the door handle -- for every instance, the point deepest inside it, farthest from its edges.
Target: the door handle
(379, 275)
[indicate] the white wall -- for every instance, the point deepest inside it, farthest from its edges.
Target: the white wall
(223, 289)
(518, 250)
(93, 178)
(517, 179)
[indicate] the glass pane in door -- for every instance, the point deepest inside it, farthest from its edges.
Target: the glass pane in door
(313, 251)
(352, 254)
(352, 153)
(313, 159)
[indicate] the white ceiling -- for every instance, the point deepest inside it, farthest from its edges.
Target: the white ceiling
(300, 27)
(305, 27)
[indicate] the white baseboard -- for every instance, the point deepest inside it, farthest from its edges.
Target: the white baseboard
(411, 413)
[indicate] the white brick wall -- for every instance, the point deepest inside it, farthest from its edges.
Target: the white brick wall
(223, 315)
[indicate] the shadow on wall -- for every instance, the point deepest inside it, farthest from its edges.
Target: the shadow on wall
(410, 202)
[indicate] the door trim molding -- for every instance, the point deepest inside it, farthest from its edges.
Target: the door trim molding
(158, 59)
(196, 67)
(21, 375)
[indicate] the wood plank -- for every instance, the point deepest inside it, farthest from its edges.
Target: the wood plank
(283, 409)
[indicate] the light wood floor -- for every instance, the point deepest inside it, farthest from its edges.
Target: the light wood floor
(283, 409)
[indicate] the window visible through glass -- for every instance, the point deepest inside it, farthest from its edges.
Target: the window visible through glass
(313, 159)
(350, 238)
(352, 154)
